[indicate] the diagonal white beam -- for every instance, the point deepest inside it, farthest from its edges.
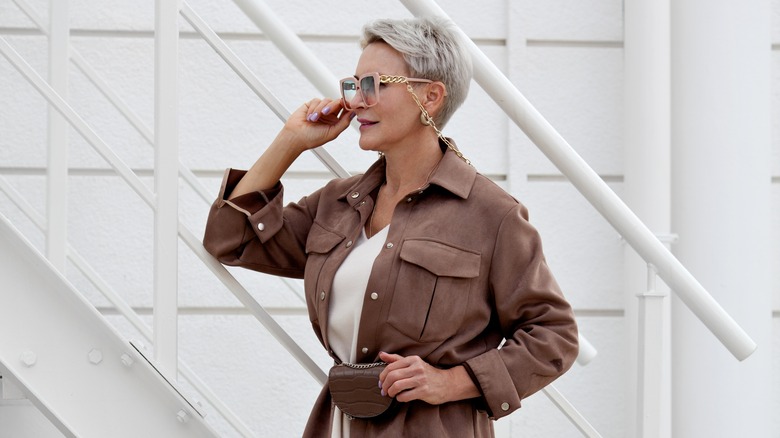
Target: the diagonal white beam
(598, 193)
(252, 81)
(571, 413)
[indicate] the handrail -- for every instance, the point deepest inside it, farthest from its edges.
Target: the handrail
(291, 45)
(598, 193)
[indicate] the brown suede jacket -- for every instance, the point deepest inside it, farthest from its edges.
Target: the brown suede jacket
(462, 271)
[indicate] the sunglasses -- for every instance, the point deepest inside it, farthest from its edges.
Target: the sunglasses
(368, 88)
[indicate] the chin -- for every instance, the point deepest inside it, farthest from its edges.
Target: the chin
(368, 145)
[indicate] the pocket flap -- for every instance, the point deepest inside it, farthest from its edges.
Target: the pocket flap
(441, 259)
(321, 240)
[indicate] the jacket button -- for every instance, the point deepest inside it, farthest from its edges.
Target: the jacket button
(364, 350)
(322, 296)
(349, 244)
(374, 295)
(261, 226)
(505, 406)
(389, 245)
(409, 199)
(355, 195)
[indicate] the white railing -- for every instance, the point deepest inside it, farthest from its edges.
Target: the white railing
(59, 104)
(598, 193)
(486, 74)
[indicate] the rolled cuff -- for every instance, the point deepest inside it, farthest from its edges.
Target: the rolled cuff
(494, 382)
(262, 208)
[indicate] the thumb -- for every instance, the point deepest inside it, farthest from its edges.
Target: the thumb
(344, 120)
(389, 358)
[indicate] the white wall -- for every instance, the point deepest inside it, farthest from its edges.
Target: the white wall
(564, 55)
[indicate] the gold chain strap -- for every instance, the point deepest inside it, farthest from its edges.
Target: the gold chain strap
(402, 80)
(363, 366)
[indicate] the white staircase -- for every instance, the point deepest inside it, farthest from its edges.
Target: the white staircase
(71, 364)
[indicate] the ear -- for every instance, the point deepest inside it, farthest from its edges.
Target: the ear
(434, 97)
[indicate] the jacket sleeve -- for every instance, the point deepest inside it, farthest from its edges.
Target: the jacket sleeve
(536, 321)
(255, 231)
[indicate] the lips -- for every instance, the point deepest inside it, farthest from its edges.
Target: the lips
(366, 122)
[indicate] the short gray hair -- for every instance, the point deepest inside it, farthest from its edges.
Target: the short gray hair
(433, 50)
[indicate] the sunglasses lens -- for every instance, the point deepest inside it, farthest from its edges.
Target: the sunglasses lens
(368, 86)
(348, 92)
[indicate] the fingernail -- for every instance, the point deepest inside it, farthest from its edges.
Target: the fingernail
(313, 117)
(326, 110)
(380, 383)
(383, 393)
(352, 116)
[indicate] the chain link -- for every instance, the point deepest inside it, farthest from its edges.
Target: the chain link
(363, 366)
(387, 79)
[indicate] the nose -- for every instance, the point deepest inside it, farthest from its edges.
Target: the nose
(357, 100)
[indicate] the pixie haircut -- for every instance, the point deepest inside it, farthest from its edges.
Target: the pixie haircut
(433, 50)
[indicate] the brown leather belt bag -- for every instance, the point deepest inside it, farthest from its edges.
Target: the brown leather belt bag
(354, 388)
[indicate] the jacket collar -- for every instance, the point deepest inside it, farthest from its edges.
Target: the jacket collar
(452, 174)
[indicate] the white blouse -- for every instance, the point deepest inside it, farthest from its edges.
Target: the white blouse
(346, 306)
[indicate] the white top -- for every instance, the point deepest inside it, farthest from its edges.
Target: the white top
(347, 293)
(346, 306)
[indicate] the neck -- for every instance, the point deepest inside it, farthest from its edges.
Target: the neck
(405, 172)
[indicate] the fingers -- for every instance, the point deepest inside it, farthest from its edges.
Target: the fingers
(317, 122)
(323, 111)
(402, 374)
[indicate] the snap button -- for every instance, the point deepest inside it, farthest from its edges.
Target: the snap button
(389, 245)
(349, 244)
(364, 350)
(505, 406)
(362, 203)
(261, 226)
(355, 195)
(322, 296)
(374, 295)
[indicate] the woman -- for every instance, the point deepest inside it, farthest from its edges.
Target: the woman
(421, 262)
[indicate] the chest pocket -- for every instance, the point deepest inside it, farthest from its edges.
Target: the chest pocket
(432, 290)
(319, 245)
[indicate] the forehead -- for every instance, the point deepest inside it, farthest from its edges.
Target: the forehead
(380, 57)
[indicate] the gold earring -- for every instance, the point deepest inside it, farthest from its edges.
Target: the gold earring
(424, 119)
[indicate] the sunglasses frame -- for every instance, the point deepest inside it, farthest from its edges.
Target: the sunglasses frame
(378, 79)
